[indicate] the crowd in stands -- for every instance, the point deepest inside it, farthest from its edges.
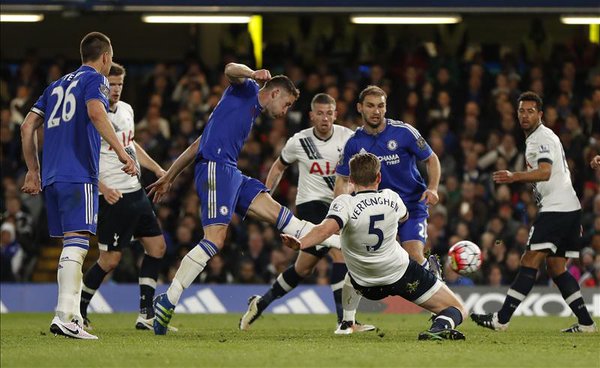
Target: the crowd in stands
(464, 105)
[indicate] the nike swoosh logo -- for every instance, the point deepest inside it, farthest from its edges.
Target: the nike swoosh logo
(74, 332)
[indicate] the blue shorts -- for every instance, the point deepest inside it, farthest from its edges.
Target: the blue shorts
(415, 228)
(222, 190)
(71, 207)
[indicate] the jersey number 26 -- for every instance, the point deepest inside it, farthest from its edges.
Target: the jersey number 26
(68, 108)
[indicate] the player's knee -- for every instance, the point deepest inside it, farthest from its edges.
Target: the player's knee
(108, 261)
(303, 271)
(158, 249)
(555, 266)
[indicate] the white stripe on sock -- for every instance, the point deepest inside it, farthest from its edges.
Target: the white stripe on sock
(576, 295)
(148, 281)
(284, 285)
(450, 320)
(515, 294)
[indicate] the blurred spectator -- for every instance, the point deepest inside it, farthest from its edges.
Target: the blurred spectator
(11, 254)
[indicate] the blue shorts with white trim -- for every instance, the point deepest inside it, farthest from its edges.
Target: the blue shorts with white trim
(71, 207)
(222, 190)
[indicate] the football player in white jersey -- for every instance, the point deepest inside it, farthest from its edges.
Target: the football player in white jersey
(125, 210)
(317, 151)
(377, 265)
(555, 233)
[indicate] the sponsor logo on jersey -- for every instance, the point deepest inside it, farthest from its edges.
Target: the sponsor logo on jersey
(327, 170)
(421, 143)
(337, 207)
(392, 145)
(544, 148)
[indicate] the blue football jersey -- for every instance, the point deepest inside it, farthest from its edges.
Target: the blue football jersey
(398, 147)
(71, 149)
(230, 123)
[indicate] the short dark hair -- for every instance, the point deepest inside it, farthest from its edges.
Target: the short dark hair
(323, 99)
(364, 168)
(532, 96)
(93, 45)
(116, 69)
(284, 83)
(371, 91)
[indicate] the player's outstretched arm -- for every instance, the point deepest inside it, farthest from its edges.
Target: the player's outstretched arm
(159, 188)
(542, 173)
(33, 183)
(148, 162)
(99, 118)
(315, 236)
(434, 172)
(275, 174)
(237, 73)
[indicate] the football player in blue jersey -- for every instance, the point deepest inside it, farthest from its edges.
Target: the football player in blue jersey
(73, 111)
(222, 188)
(399, 146)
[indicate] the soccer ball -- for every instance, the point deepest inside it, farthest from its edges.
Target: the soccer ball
(465, 257)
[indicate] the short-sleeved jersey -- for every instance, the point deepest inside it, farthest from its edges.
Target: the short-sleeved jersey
(369, 223)
(71, 147)
(230, 123)
(110, 166)
(317, 159)
(556, 194)
(398, 147)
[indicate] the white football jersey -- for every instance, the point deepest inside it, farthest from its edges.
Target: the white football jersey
(556, 194)
(369, 223)
(317, 160)
(110, 166)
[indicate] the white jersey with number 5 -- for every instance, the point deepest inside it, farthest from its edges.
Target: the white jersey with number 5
(556, 194)
(110, 167)
(369, 223)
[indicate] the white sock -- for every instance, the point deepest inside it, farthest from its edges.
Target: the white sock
(192, 264)
(69, 278)
(299, 228)
(350, 300)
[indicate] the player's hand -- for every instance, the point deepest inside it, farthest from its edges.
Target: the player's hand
(159, 188)
(595, 163)
(130, 166)
(290, 241)
(32, 184)
(261, 75)
(503, 177)
(111, 195)
(430, 196)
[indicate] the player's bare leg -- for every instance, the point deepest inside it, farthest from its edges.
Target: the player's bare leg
(192, 264)
(415, 252)
(265, 208)
(449, 313)
(350, 300)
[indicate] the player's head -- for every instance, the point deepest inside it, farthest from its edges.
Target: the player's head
(322, 112)
(116, 78)
(372, 106)
(96, 48)
(365, 169)
(280, 93)
(529, 111)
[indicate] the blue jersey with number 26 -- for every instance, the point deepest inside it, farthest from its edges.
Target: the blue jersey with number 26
(71, 150)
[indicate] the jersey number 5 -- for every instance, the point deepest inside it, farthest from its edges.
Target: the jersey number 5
(375, 231)
(68, 108)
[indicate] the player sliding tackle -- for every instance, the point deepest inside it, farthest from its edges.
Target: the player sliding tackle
(377, 265)
(222, 188)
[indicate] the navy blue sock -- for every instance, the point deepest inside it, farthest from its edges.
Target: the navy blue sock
(285, 282)
(338, 273)
(147, 281)
(449, 318)
(517, 293)
(571, 293)
(91, 282)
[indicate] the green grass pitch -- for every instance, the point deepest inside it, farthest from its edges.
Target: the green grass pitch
(293, 341)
